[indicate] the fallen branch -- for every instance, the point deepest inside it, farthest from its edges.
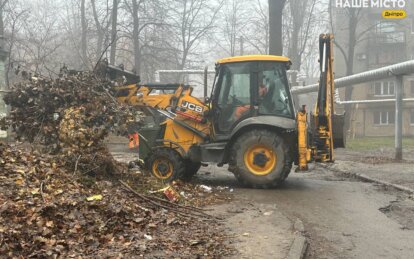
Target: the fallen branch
(178, 205)
(179, 209)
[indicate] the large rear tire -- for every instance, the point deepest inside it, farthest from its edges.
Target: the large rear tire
(260, 159)
(166, 164)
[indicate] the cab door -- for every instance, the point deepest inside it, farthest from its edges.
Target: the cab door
(233, 95)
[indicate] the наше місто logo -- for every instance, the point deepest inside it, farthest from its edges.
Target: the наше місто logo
(371, 3)
(394, 8)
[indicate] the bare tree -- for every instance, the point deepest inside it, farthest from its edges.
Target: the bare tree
(135, 36)
(300, 29)
(256, 33)
(3, 78)
(102, 27)
(40, 38)
(191, 21)
(84, 55)
(13, 26)
(141, 20)
(114, 31)
(355, 35)
(2, 5)
(231, 37)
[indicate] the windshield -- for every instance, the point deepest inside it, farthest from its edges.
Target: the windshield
(274, 98)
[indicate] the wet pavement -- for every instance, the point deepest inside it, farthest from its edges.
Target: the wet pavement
(343, 217)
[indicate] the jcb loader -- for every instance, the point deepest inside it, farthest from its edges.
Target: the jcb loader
(249, 122)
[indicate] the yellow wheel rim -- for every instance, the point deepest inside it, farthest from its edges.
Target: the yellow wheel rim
(162, 168)
(260, 159)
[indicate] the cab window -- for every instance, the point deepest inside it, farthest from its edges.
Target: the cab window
(235, 85)
(273, 90)
(234, 94)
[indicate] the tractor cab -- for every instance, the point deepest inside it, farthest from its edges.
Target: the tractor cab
(250, 86)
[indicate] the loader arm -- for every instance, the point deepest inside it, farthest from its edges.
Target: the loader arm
(181, 115)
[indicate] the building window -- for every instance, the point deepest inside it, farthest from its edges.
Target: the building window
(412, 86)
(412, 25)
(384, 118)
(412, 117)
(361, 57)
(386, 88)
(388, 32)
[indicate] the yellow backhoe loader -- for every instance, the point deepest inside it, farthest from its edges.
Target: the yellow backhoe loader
(249, 122)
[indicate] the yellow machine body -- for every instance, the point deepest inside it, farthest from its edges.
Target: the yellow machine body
(189, 109)
(195, 131)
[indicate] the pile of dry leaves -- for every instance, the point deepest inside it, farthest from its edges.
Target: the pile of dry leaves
(75, 200)
(39, 106)
(70, 116)
(46, 211)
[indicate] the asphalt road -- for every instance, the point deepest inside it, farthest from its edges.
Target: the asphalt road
(342, 218)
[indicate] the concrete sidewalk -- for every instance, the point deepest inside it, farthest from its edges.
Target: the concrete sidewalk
(382, 170)
(258, 230)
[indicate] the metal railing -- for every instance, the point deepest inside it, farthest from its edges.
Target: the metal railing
(398, 71)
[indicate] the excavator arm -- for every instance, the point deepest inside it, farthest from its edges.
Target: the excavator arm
(319, 145)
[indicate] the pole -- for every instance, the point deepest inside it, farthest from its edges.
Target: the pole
(205, 82)
(398, 117)
(241, 46)
(3, 86)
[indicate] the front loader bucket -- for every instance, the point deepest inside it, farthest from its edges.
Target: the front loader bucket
(338, 129)
(147, 137)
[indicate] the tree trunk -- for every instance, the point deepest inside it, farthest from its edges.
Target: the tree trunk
(99, 30)
(2, 4)
(353, 22)
(84, 55)
(294, 47)
(114, 32)
(135, 35)
(3, 57)
(275, 26)
(294, 51)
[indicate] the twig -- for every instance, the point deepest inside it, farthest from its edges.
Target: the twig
(178, 205)
(189, 211)
(90, 170)
(76, 165)
(41, 191)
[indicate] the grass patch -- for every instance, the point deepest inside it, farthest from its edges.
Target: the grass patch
(370, 143)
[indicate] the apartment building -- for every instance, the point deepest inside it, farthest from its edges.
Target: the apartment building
(379, 42)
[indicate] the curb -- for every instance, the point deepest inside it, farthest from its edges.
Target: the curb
(300, 243)
(371, 180)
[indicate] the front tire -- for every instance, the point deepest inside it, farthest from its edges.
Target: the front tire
(166, 164)
(260, 158)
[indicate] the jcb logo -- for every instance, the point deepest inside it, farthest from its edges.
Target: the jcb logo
(192, 106)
